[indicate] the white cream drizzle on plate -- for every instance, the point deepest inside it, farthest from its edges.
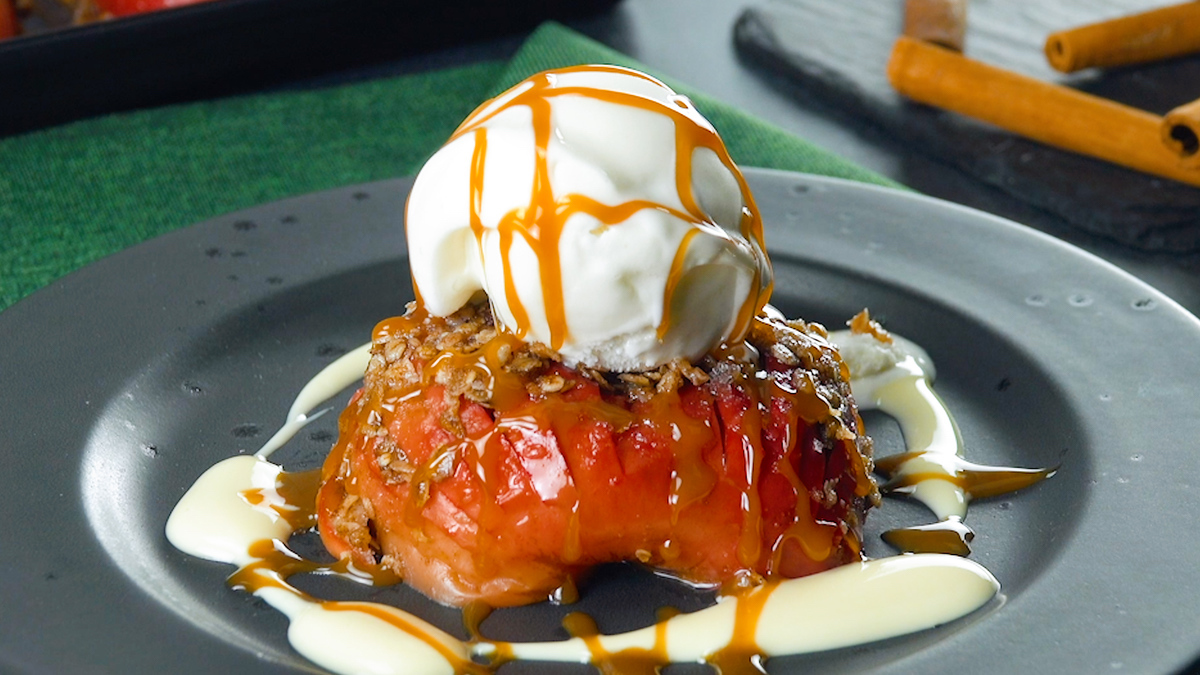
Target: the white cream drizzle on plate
(897, 379)
(895, 376)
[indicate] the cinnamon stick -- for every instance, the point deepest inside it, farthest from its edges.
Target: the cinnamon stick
(1181, 133)
(1150, 36)
(1045, 112)
(942, 22)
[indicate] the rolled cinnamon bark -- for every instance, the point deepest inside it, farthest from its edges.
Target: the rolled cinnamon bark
(1045, 112)
(1150, 36)
(1181, 133)
(942, 22)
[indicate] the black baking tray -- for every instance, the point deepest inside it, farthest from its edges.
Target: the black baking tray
(235, 46)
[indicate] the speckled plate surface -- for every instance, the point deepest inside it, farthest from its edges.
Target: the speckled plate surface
(121, 383)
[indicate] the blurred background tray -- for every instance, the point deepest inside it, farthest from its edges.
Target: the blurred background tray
(235, 46)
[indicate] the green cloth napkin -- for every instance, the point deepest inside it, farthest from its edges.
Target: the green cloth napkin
(76, 193)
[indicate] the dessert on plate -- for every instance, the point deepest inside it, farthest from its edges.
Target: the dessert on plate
(590, 372)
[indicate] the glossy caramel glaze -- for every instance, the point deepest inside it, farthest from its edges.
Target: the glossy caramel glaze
(479, 468)
(978, 481)
(945, 536)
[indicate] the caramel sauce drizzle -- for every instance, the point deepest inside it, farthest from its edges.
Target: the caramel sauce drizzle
(815, 538)
(541, 221)
(627, 661)
(945, 536)
(474, 614)
(673, 279)
(692, 478)
(742, 655)
(294, 489)
(567, 594)
(751, 457)
(298, 491)
(478, 164)
(275, 562)
(979, 481)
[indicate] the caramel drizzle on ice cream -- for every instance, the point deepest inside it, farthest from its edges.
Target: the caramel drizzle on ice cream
(540, 223)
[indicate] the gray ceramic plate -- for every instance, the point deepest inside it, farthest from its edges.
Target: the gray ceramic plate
(121, 383)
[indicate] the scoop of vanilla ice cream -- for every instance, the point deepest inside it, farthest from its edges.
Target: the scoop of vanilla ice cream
(561, 200)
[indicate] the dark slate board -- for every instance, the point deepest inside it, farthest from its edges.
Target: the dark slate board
(839, 51)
